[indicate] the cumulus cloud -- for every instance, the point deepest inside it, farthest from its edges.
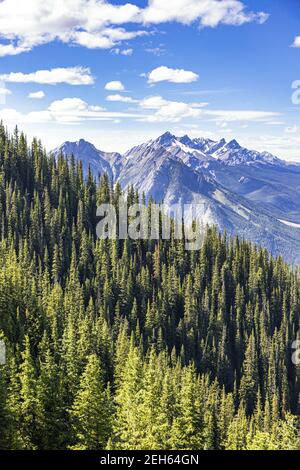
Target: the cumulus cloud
(104, 40)
(174, 112)
(64, 111)
(12, 116)
(98, 23)
(115, 85)
(69, 75)
(153, 102)
(296, 42)
(67, 105)
(208, 13)
(72, 111)
(166, 74)
(90, 23)
(169, 111)
(120, 98)
(92, 41)
(38, 95)
(11, 49)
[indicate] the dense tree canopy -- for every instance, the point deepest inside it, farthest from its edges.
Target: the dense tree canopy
(127, 344)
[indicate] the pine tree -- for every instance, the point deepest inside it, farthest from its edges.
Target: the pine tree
(249, 382)
(195, 344)
(28, 406)
(237, 432)
(128, 428)
(91, 412)
(187, 426)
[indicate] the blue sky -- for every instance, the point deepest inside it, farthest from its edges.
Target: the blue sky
(213, 68)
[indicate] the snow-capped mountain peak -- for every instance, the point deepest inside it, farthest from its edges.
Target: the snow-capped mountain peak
(233, 144)
(166, 139)
(90, 156)
(246, 192)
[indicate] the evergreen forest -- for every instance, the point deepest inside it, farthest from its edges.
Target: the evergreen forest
(135, 344)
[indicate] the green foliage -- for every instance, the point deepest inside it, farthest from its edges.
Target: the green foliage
(92, 409)
(134, 344)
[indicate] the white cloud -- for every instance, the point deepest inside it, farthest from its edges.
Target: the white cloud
(75, 110)
(207, 12)
(157, 51)
(106, 39)
(296, 42)
(176, 111)
(70, 75)
(161, 74)
(125, 52)
(115, 85)
(38, 95)
(10, 49)
(153, 102)
(221, 124)
(236, 115)
(92, 41)
(274, 123)
(279, 145)
(64, 111)
(97, 23)
(163, 110)
(12, 116)
(120, 34)
(200, 105)
(169, 111)
(120, 98)
(90, 23)
(68, 105)
(173, 112)
(292, 130)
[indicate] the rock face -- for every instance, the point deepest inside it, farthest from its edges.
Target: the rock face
(99, 162)
(251, 194)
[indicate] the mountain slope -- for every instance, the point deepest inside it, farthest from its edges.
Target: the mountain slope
(241, 191)
(99, 162)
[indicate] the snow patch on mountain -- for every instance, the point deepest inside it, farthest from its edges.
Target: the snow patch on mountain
(242, 191)
(239, 209)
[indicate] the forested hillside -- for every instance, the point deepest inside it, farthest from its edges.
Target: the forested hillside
(134, 344)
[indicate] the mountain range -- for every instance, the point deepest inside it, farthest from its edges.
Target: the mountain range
(255, 195)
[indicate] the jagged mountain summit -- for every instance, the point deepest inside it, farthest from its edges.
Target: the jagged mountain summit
(99, 162)
(231, 153)
(252, 194)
